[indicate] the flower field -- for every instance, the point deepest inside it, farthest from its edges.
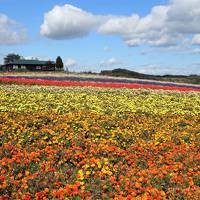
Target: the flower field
(98, 143)
(96, 82)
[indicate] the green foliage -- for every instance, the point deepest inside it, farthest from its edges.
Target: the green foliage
(11, 57)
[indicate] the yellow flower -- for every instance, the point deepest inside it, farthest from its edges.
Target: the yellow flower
(86, 166)
(99, 164)
(80, 174)
(88, 173)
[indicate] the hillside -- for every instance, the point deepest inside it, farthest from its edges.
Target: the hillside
(193, 79)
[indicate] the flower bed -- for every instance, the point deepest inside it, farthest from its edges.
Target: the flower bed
(98, 143)
(95, 84)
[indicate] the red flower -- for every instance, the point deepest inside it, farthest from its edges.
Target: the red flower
(95, 84)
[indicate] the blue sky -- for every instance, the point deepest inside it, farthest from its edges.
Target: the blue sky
(156, 37)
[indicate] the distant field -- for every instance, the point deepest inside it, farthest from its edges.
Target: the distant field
(98, 143)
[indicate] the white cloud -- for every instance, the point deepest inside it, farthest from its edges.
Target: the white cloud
(2, 55)
(196, 39)
(70, 62)
(165, 25)
(195, 51)
(196, 63)
(152, 29)
(111, 62)
(107, 49)
(168, 70)
(68, 22)
(35, 57)
(11, 32)
(114, 25)
(183, 16)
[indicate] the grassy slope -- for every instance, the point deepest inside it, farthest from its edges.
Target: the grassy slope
(192, 79)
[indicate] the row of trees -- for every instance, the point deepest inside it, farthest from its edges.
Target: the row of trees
(13, 57)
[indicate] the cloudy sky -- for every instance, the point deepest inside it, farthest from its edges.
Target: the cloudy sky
(155, 37)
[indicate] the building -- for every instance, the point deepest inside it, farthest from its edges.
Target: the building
(31, 65)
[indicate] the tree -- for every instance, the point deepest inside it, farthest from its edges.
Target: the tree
(11, 58)
(50, 65)
(59, 63)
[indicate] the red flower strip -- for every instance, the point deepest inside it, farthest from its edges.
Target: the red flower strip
(95, 84)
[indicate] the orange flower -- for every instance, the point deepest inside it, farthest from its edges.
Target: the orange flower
(40, 195)
(58, 184)
(20, 175)
(46, 190)
(138, 185)
(27, 197)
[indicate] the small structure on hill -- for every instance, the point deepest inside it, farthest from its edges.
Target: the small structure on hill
(31, 65)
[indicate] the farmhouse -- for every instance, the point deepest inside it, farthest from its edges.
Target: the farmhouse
(32, 65)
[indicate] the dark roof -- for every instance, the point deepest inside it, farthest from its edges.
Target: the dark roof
(29, 62)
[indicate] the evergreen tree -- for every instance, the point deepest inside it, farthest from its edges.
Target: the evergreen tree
(59, 63)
